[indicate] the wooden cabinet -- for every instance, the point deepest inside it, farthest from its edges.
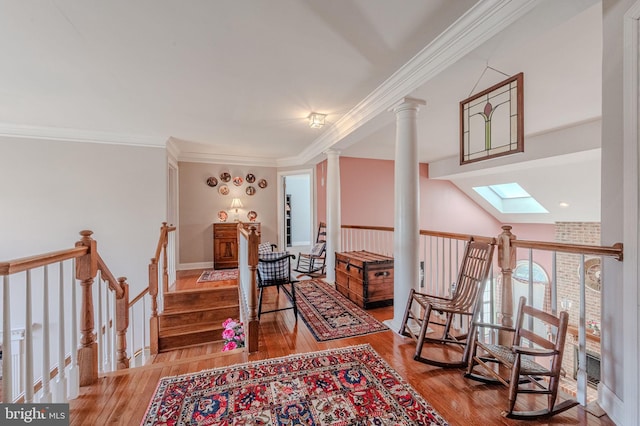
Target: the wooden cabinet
(365, 278)
(225, 244)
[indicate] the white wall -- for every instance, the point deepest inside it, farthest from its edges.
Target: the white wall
(51, 190)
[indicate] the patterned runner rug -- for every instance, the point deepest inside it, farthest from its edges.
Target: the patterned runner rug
(211, 275)
(329, 315)
(347, 386)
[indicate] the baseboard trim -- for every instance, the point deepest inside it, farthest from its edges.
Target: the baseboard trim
(610, 403)
(198, 265)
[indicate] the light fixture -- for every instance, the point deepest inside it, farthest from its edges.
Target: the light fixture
(316, 120)
(236, 204)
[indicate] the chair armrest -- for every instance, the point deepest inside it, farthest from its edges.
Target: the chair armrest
(277, 259)
(493, 326)
(534, 351)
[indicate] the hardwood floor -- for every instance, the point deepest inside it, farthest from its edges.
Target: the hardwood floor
(122, 397)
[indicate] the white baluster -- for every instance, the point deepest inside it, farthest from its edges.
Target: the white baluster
(60, 388)
(109, 330)
(133, 339)
(7, 371)
(28, 379)
(45, 396)
(144, 330)
(581, 395)
(100, 324)
(74, 375)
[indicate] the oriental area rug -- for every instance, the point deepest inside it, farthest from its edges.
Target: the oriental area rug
(329, 315)
(211, 275)
(348, 386)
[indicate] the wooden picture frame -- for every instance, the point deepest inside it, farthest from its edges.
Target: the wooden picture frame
(492, 121)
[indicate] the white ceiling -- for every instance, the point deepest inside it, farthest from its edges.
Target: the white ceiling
(234, 81)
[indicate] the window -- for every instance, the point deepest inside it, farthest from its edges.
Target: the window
(510, 198)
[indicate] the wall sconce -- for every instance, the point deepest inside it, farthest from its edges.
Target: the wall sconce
(236, 204)
(316, 120)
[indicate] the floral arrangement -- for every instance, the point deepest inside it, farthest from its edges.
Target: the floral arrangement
(594, 326)
(233, 334)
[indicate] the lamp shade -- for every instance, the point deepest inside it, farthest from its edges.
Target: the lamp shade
(236, 203)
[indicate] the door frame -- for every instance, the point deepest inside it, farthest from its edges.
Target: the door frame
(311, 171)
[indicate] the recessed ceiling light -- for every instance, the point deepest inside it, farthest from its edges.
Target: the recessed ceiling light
(563, 204)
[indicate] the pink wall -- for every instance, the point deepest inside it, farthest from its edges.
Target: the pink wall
(367, 198)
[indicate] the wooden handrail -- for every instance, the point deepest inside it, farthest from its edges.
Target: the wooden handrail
(139, 296)
(113, 282)
(451, 235)
(613, 251)
(164, 232)
(22, 264)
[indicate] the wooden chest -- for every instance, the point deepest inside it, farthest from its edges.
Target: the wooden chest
(365, 278)
(225, 243)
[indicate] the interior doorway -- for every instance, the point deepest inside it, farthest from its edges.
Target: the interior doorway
(296, 210)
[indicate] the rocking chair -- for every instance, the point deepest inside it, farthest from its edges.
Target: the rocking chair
(313, 264)
(464, 302)
(534, 360)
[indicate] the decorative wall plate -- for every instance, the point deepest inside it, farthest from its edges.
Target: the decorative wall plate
(237, 181)
(250, 178)
(222, 216)
(262, 183)
(252, 216)
(212, 181)
(223, 190)
(250, 190)
(225, 177)
(592, 274)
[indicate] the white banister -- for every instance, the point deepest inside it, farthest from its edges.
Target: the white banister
(45, 396)
(60, 388)
(74, 373)
(100, 324)
(28, 378)
(7, 371)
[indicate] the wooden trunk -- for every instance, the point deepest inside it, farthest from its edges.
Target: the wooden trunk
(365, 278)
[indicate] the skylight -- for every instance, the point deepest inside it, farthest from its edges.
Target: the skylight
(510, 198)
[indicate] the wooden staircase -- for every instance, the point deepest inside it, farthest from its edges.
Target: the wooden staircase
(193, 317)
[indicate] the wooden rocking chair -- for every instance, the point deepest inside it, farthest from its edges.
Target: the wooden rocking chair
(464, 301)
(313, 264)
(533, 361)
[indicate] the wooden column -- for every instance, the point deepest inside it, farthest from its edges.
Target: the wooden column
(122, 323)
(86, 270)
(507, 262)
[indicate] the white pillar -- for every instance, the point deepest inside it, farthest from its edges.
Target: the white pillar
(333, 212)
(406, 236)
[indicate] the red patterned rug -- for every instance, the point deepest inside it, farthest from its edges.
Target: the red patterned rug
(211, 275)
(329, 315)
(348, 386)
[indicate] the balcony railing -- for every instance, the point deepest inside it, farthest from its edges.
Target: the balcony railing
(570, 268)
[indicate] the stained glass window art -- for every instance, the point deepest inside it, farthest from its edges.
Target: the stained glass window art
(491, 122)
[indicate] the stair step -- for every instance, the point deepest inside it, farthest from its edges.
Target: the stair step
(188, 335)
(214, 315)
(178, 301)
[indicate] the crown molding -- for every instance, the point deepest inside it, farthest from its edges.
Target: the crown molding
(477, 25)
(77, 135)
(235, 160)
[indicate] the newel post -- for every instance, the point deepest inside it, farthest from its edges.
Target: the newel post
(122, 323)
(507, 262)
(252, 260)
(165, 260)
(153, 321)
(86, 270)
